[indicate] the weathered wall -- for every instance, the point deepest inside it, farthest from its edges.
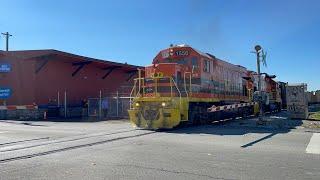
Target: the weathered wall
(20, 79)
(56, 77)
(32, 84)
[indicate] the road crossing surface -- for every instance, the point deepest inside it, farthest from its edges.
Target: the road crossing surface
(114, 150)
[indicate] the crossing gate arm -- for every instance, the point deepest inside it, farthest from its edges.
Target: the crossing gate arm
(228, 107)
(13, 107)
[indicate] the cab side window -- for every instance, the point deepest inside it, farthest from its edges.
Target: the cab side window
(194, 63)
(206, 66)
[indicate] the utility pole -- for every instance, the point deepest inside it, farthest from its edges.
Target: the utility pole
(7, 35)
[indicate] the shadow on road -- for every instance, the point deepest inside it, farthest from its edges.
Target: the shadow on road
(22, 123)
(256, 141)
(275, 124)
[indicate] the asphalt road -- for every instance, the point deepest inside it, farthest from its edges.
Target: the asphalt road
(114, 150)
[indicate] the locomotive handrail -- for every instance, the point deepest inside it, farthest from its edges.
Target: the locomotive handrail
(171, 80)
(134, 94)
(135, 86)
(177, 89)
(185, 84)
(133, 89)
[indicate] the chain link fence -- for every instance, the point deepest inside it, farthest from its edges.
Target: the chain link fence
(113, 107)
(102, 106)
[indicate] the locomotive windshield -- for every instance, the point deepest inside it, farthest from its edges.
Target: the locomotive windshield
(193, 61)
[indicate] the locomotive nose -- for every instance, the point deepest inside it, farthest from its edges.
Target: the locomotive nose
(155, 115)
(151, 115)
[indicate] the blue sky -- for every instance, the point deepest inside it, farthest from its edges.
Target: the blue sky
(134, 31)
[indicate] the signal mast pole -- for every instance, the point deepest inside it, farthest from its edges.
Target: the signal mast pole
(258, 51)
(7, 35)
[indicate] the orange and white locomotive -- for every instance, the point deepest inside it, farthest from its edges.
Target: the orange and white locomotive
(182, 83)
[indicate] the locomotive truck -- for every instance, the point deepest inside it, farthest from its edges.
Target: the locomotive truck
(186, 86)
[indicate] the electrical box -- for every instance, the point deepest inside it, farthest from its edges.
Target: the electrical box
(297, 103)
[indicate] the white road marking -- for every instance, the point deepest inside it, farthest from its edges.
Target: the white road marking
(314, 144)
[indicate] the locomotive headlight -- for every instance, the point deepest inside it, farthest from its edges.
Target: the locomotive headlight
(137, 104)
(163, 104)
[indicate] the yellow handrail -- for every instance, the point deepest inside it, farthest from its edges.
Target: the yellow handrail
(171, 93)
(133, 89)
(177, 90)
(185, 84)
(134, 93)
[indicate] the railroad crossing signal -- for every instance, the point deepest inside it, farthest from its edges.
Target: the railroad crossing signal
(264, 58)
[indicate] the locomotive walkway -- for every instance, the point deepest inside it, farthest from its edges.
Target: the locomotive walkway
(114, 150)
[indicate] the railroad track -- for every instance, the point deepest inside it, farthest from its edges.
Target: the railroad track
(82, 145)
(22, 141)
(55, 141)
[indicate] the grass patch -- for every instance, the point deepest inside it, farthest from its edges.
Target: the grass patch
(315, 115)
